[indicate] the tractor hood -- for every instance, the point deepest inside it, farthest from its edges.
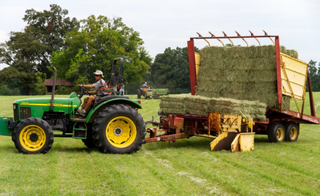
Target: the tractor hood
(40, 105)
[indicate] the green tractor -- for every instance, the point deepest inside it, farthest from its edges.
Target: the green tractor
(112, 124)
(149, 92)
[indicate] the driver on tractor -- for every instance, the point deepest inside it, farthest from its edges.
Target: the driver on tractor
(98, 91)
(145, 85)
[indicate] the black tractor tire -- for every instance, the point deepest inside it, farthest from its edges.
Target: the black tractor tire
(292, 132)
(89, 142)
(33, 136)
(276, 132)
(119, 129)
(139, 94)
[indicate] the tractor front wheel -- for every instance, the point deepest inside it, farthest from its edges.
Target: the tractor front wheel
(32, 136)
(119, 129)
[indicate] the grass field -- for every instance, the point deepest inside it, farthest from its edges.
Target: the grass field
(187, 168)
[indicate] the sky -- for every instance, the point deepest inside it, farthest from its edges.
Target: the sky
(171, 23)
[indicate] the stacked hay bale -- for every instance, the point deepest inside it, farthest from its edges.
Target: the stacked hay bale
(172, 104)
(232, 80)
(199, 105)
(244, 73)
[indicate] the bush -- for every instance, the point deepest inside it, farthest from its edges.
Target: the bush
(62, 90)
(5, 90)
(41, 89)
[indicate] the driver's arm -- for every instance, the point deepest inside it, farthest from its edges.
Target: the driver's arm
(93, 92)
(89, 86)
(86, 85)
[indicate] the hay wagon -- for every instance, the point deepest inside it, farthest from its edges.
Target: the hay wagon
(256, 84)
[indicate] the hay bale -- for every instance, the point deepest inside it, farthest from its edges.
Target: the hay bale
(200, 105)
(243, 73)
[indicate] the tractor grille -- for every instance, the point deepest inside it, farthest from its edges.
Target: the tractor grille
(25, 112)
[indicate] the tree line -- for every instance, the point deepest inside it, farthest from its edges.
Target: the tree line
(79, 47)
(75, 48)
(314, 73)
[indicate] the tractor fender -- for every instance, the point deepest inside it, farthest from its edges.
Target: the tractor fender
(95, 111)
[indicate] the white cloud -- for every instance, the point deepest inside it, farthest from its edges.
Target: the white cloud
(170, 23)
(4, 36)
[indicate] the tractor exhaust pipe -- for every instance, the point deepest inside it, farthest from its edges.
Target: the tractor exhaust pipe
(53, 88)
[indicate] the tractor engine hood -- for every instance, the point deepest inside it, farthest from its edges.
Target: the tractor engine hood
(35, 107)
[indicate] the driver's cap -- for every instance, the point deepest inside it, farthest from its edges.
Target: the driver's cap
(98, 72)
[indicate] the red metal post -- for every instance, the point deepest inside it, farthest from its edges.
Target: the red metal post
(192, 67)
(277, 45)
(312, 109)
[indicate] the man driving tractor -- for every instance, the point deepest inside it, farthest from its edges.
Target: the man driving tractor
(99, 86)
(145, 85)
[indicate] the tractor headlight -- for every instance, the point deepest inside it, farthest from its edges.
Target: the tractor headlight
(14, 106)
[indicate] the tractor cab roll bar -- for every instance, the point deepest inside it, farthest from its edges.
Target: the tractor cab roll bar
(120, 78)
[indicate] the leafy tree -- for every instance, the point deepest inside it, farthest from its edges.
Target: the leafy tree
(50, 29)
(29, 52)
(99, 41)
(314, 73)
(171, 70)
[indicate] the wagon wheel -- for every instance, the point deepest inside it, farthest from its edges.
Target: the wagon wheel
(119, 129)
(292, 132)
(276, 132)
(32, 136)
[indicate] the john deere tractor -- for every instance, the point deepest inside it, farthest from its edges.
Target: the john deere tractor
(149, 92)
(112, 124)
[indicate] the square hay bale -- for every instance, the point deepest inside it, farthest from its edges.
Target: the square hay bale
(200, 105)
(244, 73)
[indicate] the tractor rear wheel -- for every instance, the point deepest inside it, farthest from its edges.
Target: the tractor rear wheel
(139, 94)
(32, 136)
(119, 129)
(276, 132)
(292, 132)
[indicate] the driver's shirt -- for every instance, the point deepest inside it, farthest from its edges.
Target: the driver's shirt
(98, 86)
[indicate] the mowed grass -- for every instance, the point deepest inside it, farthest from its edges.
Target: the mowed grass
(188, 167)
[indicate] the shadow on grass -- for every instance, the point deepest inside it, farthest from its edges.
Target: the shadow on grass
(8, 149)
(12, 149)
(74, 149)
(193, 142)
(196, 142)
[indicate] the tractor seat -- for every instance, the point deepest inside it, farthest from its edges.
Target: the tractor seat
(106, 98)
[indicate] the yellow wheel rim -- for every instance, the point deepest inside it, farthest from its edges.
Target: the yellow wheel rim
(32, 138)
(121, 132)
(293, 133)
(280, 134)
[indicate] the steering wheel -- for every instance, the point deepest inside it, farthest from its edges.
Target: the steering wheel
(84, 91)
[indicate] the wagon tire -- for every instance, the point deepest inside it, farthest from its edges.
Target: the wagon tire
(292, 132)
(276, 132)
(33, 136)
(119, 129)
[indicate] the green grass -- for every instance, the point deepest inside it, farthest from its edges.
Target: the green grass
(187, 168)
